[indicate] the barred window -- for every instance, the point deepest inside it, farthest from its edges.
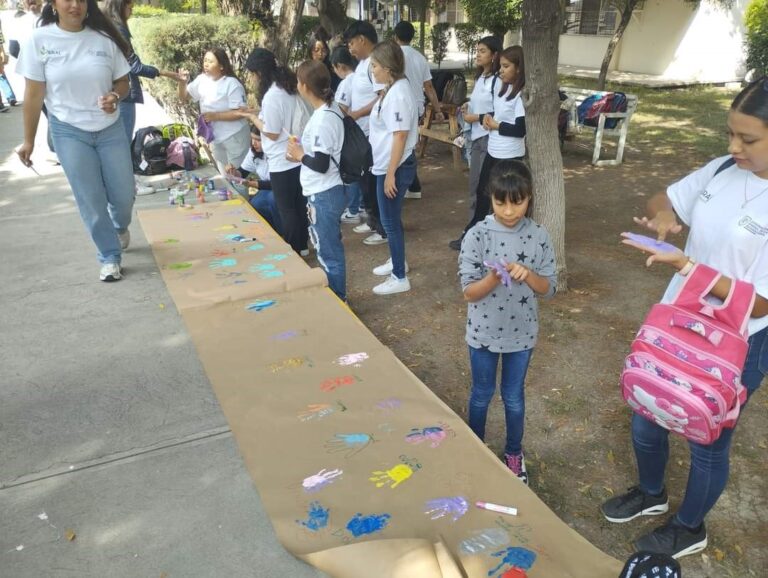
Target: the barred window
(593, 17)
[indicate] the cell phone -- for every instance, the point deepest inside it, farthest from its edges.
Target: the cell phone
(651, 243)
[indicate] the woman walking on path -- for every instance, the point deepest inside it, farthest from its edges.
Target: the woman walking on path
(725, 204)
(76, 62)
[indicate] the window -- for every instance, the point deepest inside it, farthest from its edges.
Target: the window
(593, 17)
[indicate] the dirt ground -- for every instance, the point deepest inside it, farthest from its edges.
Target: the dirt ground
(577, 426)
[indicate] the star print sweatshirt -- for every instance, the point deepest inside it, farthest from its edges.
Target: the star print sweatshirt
(507, 319)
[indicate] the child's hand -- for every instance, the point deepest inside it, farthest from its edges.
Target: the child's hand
(182, 75)
(518, 272)
(489, 123)
(295, 152)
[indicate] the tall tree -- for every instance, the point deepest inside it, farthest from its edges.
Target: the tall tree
(542, 24)
(626, 8)
(498, 16)
(333, 15)
(278, 38)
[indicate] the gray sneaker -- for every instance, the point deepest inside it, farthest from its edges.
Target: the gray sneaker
(633, 504)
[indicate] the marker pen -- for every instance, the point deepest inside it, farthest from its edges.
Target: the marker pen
(497, 508)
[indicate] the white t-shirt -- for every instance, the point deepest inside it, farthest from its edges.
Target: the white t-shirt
(481, 102)
(324, 133)
(417, 72)
(362, 91)
(23, 27)
(344, 91)
(221, 95)
(506, 147)
(276, 113)
(258, 168)
(77, 68)
(731, 239)
(395, 111)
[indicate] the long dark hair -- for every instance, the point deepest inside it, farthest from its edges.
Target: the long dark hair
(263, 62)
(115, 10)
(94, 19)
(514, 54)
(753, 100)
(315, 75)
(511, 179)
(491, 43)
(341, 56)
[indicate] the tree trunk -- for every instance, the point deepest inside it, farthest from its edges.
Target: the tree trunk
(542, 22)
(333, 16)
(626, 16)
(234, 7)
(423, 17)
(203, 6)
(278, 38)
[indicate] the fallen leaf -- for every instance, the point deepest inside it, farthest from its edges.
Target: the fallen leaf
(719, 554)
(161, 305)
(610, 457)
(70, 535)
(763, 445)
(738, 549)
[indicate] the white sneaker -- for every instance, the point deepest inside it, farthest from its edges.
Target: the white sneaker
(374, 239)
(144, 190)
(125, 239)
(412, 194)
(347, 217)
(363, 214)
(386, 268)
(304, 252)
(364, 228)
(392, 285)
(110, 272)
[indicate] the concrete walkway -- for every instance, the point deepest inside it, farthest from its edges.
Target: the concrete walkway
(109, 429)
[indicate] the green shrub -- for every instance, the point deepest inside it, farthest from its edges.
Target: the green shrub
(147, 11)
(440, 35)
(467, 37)
(180, 41)
(756, 23)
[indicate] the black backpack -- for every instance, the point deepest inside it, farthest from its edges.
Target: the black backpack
(356, 157)
(149, 151)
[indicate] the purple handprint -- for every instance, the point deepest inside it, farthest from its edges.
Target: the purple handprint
(455, 506)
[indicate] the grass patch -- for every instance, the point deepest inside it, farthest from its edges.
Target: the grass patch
(670, 121)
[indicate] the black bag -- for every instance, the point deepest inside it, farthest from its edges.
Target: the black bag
(356, 157)
(149, 151)
(455, 92)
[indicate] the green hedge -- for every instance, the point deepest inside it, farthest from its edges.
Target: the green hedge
(146, 11)
(180, 41)
(756, 23)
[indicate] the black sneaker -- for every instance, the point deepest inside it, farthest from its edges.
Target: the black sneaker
(674, 539)
(456, 244)
(633, 504)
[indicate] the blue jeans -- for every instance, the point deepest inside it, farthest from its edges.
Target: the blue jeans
(264, 203)
(325, 211)
(390, 211)
(514, 366)
(5, 86)
(709, 469)
(354, 195)
(99, 170)
(128, 116)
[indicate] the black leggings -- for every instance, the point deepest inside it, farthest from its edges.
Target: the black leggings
(482, 199)
(368, 186)
(292, 206)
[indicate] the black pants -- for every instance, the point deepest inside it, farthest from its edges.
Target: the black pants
(416, 184)
(292, 206)
(368, 186)
(483, 199)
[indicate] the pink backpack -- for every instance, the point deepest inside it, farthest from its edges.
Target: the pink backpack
(182, 154)
(684, 368)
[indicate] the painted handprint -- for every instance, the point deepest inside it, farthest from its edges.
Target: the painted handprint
(389, 404)
(435, 435)
(513, 556)
(318, 481)
(290, 363)
(255, 247)
(260, 305)
(333, 383)
(218, 263)
(270, 274)
(276, 257)
(317, 517)
(317, 411)
(392, 477)
(261, 267)
(360, 525)
(349, 444)
(454, 506)
(355, 359)
(482, 540)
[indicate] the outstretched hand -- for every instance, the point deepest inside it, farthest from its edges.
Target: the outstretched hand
(658, 254)
(662, 224)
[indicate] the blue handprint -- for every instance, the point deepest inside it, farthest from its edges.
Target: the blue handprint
(317, 517)
(270, 274)
(260, 305)
(360, 525)
(218, 263)
(276, 257)
(515, 557)
(255, 247)
(261, 267)
(348, 443)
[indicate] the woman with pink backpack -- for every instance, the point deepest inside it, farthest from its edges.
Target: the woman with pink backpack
(726, 207)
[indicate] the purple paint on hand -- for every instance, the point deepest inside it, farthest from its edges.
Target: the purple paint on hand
(500, 267)
(651, 243)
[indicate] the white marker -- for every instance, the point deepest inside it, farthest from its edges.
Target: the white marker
(497, 508)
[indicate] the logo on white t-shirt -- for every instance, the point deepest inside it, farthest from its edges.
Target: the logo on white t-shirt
(705, 196)
(397, 117)
(100, 53)
(752, 226)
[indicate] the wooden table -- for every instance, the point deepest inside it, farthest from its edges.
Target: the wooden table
(427, 132)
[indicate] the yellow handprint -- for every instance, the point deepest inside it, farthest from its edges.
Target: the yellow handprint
(392, 477)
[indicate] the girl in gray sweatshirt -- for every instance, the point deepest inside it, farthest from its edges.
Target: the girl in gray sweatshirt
(506, 262)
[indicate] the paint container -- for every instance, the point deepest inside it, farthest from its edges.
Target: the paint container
(223, 194)
(210, 185)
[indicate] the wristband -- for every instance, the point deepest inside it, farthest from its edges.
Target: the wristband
(116, 95)
(687, 267)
